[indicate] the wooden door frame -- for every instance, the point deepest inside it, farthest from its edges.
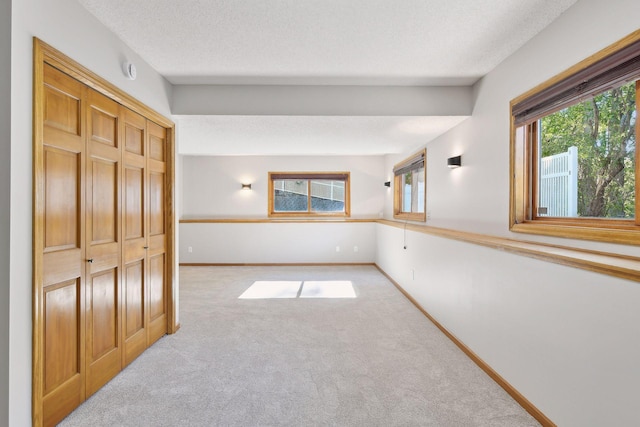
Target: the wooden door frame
(45, 54)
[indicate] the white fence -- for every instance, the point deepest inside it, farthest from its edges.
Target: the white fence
(323, 189)
(330, 190)
(558, 192)
(408, 200)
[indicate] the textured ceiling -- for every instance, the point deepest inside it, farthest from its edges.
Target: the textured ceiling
(321, 42)
(389, 42)
(303, 135)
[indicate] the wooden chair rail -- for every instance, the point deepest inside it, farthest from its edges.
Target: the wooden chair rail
(612, 264)
(270, 220)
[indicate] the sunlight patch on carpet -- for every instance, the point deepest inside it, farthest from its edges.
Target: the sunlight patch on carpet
(267, 289)
(328, 289)
(275, 289)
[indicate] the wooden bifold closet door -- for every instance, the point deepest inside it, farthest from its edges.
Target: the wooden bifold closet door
(63, 286)
(145, 247)
(101, 241)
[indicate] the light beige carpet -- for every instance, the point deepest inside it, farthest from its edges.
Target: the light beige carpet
(372, 360)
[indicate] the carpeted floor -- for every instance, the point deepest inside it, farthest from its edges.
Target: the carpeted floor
(373, 360)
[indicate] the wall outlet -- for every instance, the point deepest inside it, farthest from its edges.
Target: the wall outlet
(337, 248)
(355, 249)
(190, 249)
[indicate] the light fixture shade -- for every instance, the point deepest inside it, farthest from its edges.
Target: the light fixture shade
(246, 186)
(387, 184)
(454, 162)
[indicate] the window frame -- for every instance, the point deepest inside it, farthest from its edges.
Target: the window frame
(523, 151)
(398, 171)
(309, 176)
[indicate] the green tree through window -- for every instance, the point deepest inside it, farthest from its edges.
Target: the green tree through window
(573, 159)
(603, 130)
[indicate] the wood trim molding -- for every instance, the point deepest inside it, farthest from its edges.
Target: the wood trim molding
(522, 170)
(170, 210)
(590, 230)
(512, 391)
(309, 176)
(37, 245)
(622, 266)
(397, 188)
(62, 62)
(417, 157)
(271, 220)
(270, 264)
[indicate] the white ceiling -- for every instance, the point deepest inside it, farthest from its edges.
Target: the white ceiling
(303, 135)
(329, 42)
(387, 42)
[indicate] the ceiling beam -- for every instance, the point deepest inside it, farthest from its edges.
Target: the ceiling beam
(298, 100)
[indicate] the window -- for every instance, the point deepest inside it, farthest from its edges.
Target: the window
(574, 161)
(309, 194)
(409, 188)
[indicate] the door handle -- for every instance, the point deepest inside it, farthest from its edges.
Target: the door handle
(145, 247)
(90, 260)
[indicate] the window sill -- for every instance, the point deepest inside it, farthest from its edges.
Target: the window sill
(611, 264)
(293, 215)
(626, 235)
(421, 217)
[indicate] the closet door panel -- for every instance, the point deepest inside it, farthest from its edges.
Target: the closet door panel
(104, 331)
(104, 206)
(62, 204)
(135, 235)
(134, 203)
(103, 355)
(134, 307)
(103, 352)
(156, 286)
(135, 332)
(61, 338)
(104, 126)
(60, 295)
(62, 105)
(157, 143)
(156, 167)
(134, 134)
(156, 203)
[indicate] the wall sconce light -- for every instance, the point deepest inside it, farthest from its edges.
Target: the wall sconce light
(454, 162)
(387, 184)
(246, 186)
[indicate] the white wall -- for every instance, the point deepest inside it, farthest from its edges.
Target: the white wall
(278, 243)
(211, 189)
(568, 339)
(5, 196)
(211, 185)
(476, 196)
(67, 26)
